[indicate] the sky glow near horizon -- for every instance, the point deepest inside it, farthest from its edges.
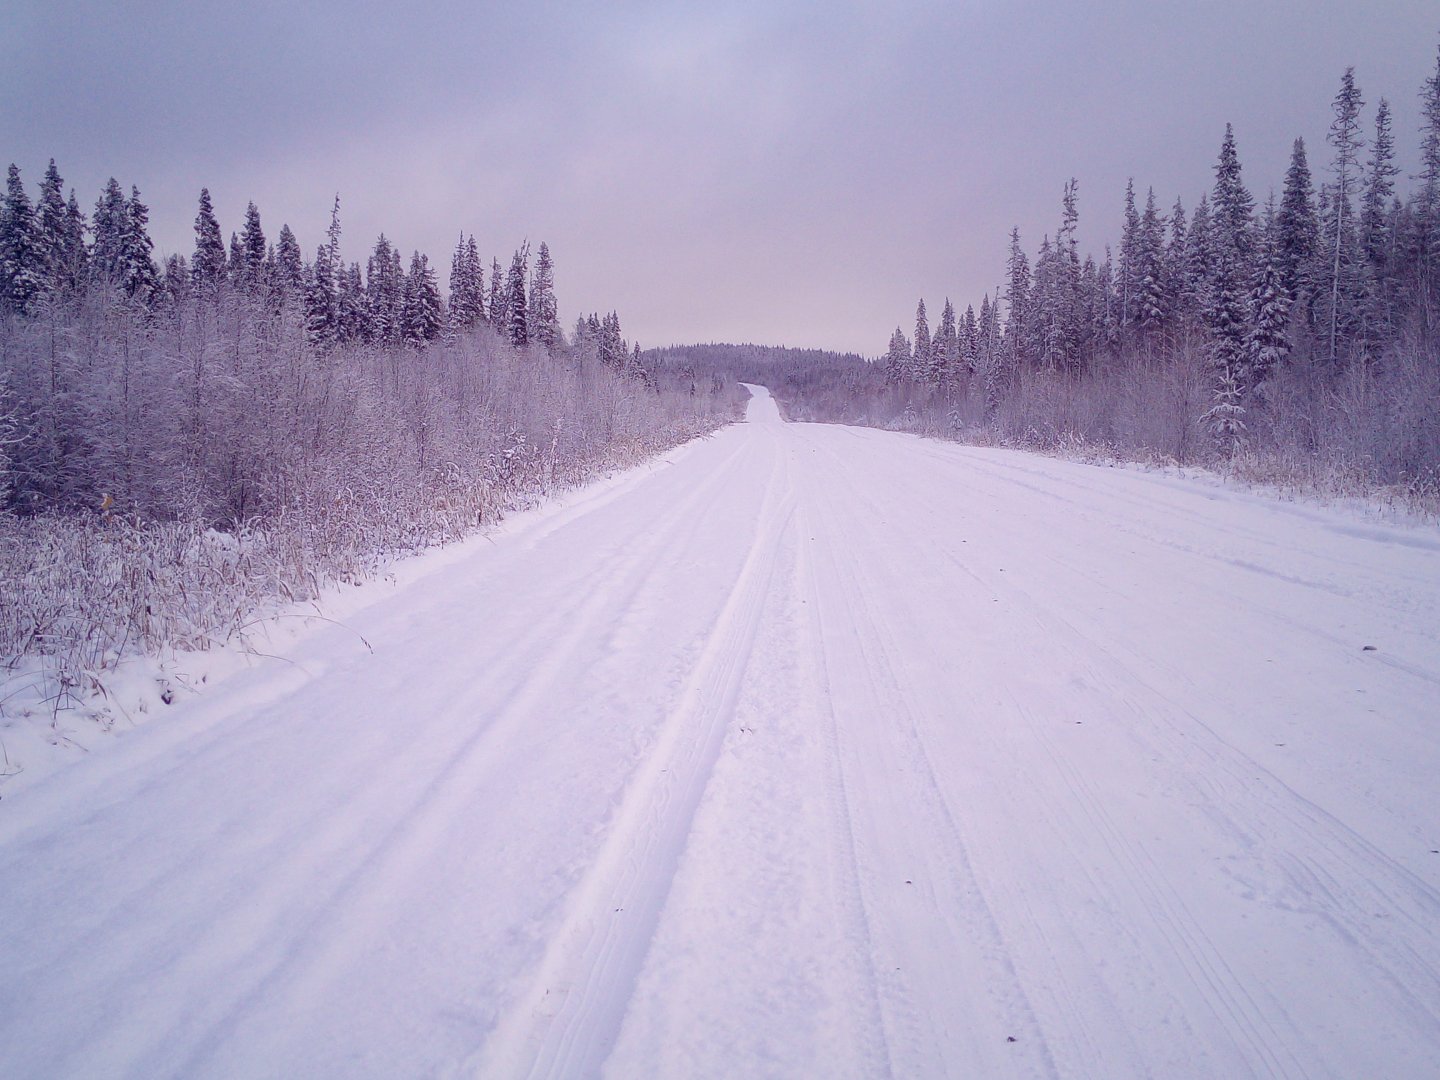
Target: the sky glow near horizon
(782, 172)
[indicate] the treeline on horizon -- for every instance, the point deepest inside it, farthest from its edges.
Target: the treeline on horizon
(1293, 342)
(1297, 334)
(182, 443)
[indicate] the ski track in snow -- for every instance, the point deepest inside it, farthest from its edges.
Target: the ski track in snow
(805, 751)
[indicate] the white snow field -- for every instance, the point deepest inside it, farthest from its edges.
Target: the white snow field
(808, 752)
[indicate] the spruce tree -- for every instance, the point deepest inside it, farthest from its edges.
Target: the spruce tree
(969, 341)
(1345, 137)
(1199, 248)
(499, 300)
(1268, 340)
(141, 279)
(207, 265)
(252, 243)
(320, 301)
(1231, 206)
(475, 274)
(544, 316)
(920, 360)
(1231, 249)
(1067, 329)
(462, 309)
(352, 306)
(944, 347)
(1017, 301)
(1151, 306)
(1178, 299)
(110, 223)
(515, 299)
(52, 229)
(1297, 227)
(235, 260)
(1427, 226)
(1379, 190)
(423, 316)
(289, 267)
(385, 291)
(22, 271)
(175, 284)
(77, 253)
(1130, 272)
(897, 359)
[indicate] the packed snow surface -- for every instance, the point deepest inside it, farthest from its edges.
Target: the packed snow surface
(807, 751)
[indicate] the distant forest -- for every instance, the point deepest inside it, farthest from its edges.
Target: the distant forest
(1297, 341)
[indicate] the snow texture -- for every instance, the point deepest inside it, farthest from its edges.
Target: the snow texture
(807, 751)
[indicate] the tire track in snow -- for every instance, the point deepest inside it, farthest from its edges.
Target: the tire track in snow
(246, 934)
(1159, 904)
(567, 1022)
(1249, 803)
(938, 1020)
(407, 841)
(1257, 809)
(842, 810)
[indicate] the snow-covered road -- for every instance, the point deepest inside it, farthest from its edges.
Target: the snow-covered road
(808, 751)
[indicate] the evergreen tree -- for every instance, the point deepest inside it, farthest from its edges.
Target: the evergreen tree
(207, 265)
(944, 347)
(352, 306)
(235, 261)
(1178, 298)
(988, 361)
(1297, 226)
(897, 359)
(423, 317)
(920, 361)
(1151, 307)
(252, 244)
(466, 300)
(515, 299)
(544, 325)
(52, 229)
(969, 341)
(1199, 248)
(1378, 241)
(109, 226)
(1427, 224)
(1226, 416)
(22, 270)
(1130, 272)
(1017, 299)
(321, 309)
(77, 253)
(289, 266)
(1346, 139)
(499, 300)
(385, 290)
(475, 274)
(332, 235)
(1230, 242)
(1379, 191)
(175, 284)
(1058, 302)
(1268, 340)
(1232, 208)
(141, 280)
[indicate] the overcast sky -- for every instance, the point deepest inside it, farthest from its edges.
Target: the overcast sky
(776, 171)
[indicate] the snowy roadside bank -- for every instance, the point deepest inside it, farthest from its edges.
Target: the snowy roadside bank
(51, 714)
